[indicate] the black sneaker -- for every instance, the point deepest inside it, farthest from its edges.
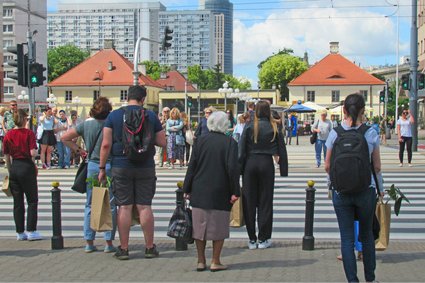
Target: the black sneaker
(152, 252)
(121, 254)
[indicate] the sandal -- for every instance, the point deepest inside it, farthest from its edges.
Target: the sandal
(217, 267)
(201, 267)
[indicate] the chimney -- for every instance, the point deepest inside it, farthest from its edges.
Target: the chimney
(108, 44)
(142, 69)
(93, 51)
(110, 66)
(334, 47)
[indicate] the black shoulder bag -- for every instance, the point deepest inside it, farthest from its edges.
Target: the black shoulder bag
(80, 182)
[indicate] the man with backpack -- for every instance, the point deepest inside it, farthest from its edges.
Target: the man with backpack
(130, 135)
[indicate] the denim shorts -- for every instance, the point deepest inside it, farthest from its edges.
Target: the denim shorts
(133, 185)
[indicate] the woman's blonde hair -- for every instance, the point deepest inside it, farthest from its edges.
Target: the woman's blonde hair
(184, 117)
(262, 110)
(175, 112)
(2, 110)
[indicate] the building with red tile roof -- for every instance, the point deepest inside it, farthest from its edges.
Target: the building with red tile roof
(334, 77)
(106, 73)
(174, 80)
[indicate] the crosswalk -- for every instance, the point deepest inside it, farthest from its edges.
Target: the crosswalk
(289, 200)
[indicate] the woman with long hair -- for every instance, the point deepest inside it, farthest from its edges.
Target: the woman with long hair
(361, 203)
(232, 122)
(175, 140)
(261, 140)
(48, 139)
(186, 127)
(404, 131)
(91, 132)
(20, 149)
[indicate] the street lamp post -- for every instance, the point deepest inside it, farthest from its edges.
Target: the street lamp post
(225, 90)
(51, 100)
(23, 97)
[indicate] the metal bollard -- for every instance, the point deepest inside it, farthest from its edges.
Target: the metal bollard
(180, 244)
(308, 239)
(57, 239)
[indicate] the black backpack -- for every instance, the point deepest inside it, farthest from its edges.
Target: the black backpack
(138, 135)
(351, 169)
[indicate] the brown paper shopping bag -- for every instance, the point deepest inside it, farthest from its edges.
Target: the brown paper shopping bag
(6, 188)
(101, 215)
(383, 213)
(236, 214)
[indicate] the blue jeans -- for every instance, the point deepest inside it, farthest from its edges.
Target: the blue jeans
(363, 204)
(319, 145)
(89, 234)
(64, 153)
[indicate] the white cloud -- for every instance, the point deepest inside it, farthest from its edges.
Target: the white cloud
(361, 34)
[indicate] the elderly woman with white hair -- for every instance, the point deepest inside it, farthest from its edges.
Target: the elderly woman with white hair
(212, 184)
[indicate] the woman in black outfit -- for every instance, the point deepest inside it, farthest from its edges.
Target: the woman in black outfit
(20, 150)
(260, 141)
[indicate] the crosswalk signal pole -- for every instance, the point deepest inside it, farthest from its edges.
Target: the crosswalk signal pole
(413, 97)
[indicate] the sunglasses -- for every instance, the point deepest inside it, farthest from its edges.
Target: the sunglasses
(207, 112)
(405, 113)
(13, 104)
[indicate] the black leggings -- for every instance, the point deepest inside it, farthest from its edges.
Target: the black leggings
(187, 152)
(23, 180)
(258, 188)
(408, 142)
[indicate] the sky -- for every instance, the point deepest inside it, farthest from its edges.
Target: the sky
(365, 29)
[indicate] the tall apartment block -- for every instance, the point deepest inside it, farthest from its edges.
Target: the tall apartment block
(193, 39)
(223, 31)
(87, 25)
(15, 23)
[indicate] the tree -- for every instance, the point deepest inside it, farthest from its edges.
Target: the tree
(196, 75)
(281, 52)
(237, 83)
(63, 58)
(154, 69)
(279, 70)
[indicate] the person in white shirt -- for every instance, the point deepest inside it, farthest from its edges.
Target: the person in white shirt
(404, 130)
(322, 127)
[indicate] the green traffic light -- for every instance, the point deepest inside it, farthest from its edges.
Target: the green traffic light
(34, 79)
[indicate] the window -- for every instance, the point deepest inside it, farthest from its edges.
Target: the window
(123, 96)
(7, 12)
(68, 96)
(96, 94)
(364, 93)
(335, 96)
(7, 43)
(311, 95)
(8, 90)
(7, 28)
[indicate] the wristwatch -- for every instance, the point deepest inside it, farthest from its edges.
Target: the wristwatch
(102, 167)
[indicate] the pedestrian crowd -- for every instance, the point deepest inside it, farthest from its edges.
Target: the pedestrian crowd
(219, 151)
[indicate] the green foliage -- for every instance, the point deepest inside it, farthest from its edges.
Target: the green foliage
(397, 196)
(279, 70)
(281, 52)
(154, 69)
(214, 79)
(94, 181)
(63, 58)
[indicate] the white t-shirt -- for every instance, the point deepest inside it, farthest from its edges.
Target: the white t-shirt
(405, 127)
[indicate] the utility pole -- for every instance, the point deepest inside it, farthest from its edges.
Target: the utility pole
(31, 58)
(413, 97)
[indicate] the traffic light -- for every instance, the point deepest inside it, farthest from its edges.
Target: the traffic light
(382, 96)
(21, 64)
(189, 101)
(421, 81)
(36, 74)
(405, 82)
(390, 97)
(166, 42)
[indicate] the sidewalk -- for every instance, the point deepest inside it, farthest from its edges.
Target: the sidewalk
(285, 261)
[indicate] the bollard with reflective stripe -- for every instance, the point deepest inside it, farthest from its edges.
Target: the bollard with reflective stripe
(57, 239)
(308, 239)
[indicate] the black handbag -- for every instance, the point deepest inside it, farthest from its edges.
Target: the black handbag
(313, 138)
(180, 226)
(80, 181)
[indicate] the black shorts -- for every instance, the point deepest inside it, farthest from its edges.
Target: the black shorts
(133, 185)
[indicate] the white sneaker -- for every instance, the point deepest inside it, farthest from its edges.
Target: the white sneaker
(401, 165)
(34, 236)
(410, 165)
(252, 245)
(264, 245)
(21, 236)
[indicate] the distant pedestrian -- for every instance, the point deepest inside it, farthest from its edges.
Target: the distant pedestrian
(133, 182)
(2, 133)
(334, 121)
(322, 127)
(404, 131)
(289, 126)
(60, 129)
(212, 184)
(20, 149)
(232, 122)
(7, 122)
(242, 120)
(261, 140)
(175, 138)
(162, 152)
(48, 139)
(75, 121)
(91, 132)
(361, 203)
(202, 127)
(187, 127)
(382, 130)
